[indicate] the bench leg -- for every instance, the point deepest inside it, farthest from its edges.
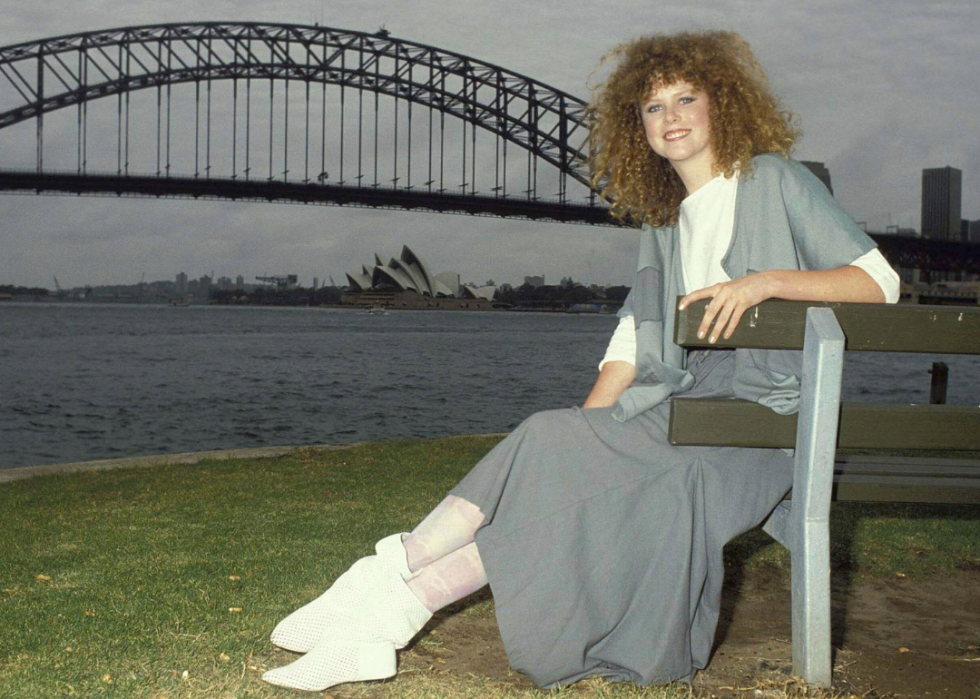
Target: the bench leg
(811, 605)
(808, 528)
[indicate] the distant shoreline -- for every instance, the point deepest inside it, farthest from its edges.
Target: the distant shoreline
(25, 300)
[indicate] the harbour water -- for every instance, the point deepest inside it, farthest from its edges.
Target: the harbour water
(94, 381)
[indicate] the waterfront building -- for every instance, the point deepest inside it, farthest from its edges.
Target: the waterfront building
(942, 191)
(973, 232)
(534, 282)
(203, 287)
(181, 286)
(240, 282)
(405, 282)
(820, 170)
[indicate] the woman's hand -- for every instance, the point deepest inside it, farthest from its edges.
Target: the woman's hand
(729, 300)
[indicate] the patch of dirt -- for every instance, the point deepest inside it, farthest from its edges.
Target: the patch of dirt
(892, 638)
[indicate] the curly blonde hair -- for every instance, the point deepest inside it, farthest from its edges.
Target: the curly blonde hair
(745, 118)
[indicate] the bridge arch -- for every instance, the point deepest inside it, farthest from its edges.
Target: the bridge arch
(547, 124)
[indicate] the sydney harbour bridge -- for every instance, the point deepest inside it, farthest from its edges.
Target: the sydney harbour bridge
(308, 114)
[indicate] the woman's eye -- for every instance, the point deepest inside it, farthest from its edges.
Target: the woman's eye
(651, 108)
(686, 100)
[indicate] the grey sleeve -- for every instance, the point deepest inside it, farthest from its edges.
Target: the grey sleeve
(824, 234)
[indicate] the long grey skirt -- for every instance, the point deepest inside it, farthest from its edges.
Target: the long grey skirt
(603, 543)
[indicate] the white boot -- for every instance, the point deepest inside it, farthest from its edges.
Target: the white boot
(369, 603)
(329, 664)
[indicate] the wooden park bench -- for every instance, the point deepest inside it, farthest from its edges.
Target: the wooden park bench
(824, 331)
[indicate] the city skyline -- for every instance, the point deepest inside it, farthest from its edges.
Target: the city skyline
(876, 129)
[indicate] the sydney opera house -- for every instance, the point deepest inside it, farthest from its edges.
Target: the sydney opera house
(406, 283)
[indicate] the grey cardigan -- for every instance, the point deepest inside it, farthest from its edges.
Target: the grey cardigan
(784, 219)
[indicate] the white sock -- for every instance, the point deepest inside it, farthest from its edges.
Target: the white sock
(369, 603)
(449, 527)
(328, 664)
(449, 579)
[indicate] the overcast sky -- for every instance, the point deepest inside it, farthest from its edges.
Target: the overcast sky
(884, 88)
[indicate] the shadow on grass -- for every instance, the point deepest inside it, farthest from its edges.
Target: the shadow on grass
(884, 540)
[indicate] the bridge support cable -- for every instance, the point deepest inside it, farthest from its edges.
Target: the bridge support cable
(442, 141)
(428, 182)
(170, 60)
(473, 189)
(248, 124)
(197, 126)
(342, 118)
(234, 129)
(40, 116)
(81, 106)
(324, 175)
(306, 157)
(462, 123)
(272, 121)
(411, 81)
(394, 169)
(360, 136)
(377, 116)
(207, 143)
(129, 95)
(285, 134)
(159, 125)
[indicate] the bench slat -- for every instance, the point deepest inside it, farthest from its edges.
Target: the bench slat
(868, 327)
(733, 422)
(961, 491)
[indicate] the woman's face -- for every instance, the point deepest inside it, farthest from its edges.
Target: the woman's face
(675, 119)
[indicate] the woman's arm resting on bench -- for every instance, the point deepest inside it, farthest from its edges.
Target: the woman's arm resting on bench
(614, 378)
(730, 300)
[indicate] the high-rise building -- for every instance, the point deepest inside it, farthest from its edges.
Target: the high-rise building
(974, 232)
(942, 191)
(820, 170)
(181, 284)
(203, 287)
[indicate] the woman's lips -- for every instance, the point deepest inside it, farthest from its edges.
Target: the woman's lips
(676, 134)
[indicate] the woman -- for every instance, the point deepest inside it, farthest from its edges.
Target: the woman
(602, 542)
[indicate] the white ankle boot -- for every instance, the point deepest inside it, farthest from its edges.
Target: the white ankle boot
(369, 603)
(329, 664)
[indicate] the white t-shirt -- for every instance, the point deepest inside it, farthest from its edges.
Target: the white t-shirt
(706, 221)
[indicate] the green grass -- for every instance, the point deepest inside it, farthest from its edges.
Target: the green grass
(165, 582)
(882, 540)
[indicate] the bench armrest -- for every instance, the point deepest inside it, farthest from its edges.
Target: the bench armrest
(868, 327)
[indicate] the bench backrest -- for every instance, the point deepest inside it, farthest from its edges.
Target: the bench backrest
(867, 327)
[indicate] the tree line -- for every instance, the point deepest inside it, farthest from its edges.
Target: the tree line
(545, 297)
(23, 290)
